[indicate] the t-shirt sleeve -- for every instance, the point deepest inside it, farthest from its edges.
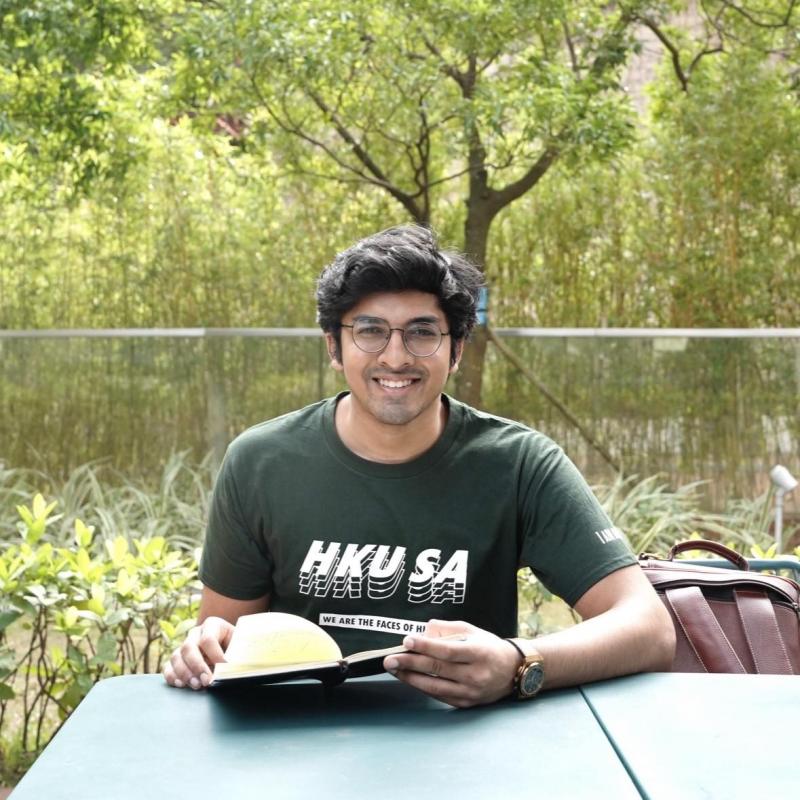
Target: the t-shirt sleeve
(235, 561)
(567, 538)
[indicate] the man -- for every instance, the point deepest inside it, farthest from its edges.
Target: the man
(395, 513)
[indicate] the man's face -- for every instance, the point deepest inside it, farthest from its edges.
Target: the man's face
(393, 386)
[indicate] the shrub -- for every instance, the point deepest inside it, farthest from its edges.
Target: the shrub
(70, 616)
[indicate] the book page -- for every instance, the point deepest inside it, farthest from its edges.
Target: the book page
(274, 639)
(366, 655)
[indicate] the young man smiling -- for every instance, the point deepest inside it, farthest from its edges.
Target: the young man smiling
(394, 411)
(393, 512)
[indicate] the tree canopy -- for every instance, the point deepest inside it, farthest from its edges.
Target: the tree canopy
(178, 162)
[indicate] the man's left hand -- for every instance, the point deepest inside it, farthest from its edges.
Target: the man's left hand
(468, 670)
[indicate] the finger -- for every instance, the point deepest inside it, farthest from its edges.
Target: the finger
(185, 674)
(454, 647)
(191, 664)
(435, 668)
(426, 665)
(188, 660)
(412, 662)
(451, 692)
(212, 641)
(178, 674)
(447, 627)
(170, 677)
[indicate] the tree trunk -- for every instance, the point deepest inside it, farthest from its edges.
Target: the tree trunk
(469, 380)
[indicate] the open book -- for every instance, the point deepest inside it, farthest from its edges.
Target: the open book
(273, 647)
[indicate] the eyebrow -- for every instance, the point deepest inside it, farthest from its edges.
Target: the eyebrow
(369, 318)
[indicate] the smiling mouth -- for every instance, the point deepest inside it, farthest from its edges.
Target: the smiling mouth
(386, 383)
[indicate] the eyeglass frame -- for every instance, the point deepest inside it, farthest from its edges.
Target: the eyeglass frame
(432, 323)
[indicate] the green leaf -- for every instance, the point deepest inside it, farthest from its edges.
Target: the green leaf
(8, 660)
(72, 695)
(124, 584)
(117, 616)
(83, 534)
(40, 507)
(25, 514)
(6, 692)
(75, 656)
(83, 562)
(36, 592)
(58, 656)
(106, 650)
(70, 617)
(7, 617)
(117, 549)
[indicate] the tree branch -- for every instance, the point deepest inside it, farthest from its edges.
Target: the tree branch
(447, 68)
(422, 172)
(489, 61)
(672, 49)
(287, 125)
(500, 198)
(682, 75)
(405, 199)
(513, 191)
(571, 48)
(782, 23)
(717, 23)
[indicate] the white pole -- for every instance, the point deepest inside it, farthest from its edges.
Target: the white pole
(779, 493)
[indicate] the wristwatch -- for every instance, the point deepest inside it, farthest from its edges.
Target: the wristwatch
(530, 675)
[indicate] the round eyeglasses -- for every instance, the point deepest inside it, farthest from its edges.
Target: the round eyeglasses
(421, 339)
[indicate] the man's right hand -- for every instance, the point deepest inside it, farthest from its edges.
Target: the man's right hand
(192, 663)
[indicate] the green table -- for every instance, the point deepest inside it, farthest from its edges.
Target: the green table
(133, 737)
(687, 736)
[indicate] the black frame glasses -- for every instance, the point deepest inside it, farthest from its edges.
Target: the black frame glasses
(421, 339)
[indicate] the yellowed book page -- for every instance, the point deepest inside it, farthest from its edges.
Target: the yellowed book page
(274, 639)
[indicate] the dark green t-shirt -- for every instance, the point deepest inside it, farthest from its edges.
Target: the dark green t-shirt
(371, 551)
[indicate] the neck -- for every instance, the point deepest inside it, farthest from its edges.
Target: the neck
(374, 440)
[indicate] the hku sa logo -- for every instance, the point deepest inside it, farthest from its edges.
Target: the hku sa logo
(377, 570)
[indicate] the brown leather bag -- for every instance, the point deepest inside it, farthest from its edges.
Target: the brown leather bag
(727, 620)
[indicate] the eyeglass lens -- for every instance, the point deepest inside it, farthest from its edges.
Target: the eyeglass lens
(421, 338)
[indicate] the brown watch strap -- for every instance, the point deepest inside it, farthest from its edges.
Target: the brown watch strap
(516, 647)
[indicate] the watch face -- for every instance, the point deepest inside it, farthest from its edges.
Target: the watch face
(531, 680)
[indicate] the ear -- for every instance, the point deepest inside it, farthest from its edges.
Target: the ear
(333, 352)
(459, 348)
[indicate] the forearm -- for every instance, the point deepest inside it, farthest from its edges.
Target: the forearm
(615, 642)
(626, 629)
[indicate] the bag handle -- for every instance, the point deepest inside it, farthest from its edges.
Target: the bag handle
(713, 547)
(702, 630)
(762, 632)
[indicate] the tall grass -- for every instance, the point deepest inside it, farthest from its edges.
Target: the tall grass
(655, 516)
(174, 504)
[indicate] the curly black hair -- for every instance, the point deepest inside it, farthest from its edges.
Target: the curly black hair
(403, 258)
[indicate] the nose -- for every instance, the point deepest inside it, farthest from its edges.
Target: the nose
(395, 355)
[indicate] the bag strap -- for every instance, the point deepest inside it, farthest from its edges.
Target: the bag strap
(713, 547)
(703, 631)
(762, 632)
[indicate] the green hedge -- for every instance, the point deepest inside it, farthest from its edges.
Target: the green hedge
(70, 616)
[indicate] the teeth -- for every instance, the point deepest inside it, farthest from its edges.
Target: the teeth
(394, 384)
